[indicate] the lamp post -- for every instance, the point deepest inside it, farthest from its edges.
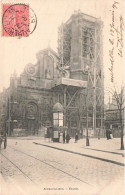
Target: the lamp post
(87, 117)
(9, 119)
(12, 120)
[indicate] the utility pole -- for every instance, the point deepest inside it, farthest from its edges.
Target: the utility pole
(64, 122)
(87, 114)
(87, 136)
(9, 118)
(94, 85)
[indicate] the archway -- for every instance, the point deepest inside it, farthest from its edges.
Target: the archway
(32, 118)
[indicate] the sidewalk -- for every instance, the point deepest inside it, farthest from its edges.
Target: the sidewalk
(101, 149)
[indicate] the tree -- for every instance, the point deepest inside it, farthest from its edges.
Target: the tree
(119, 103)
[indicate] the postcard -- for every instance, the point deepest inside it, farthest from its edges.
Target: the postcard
(62, 97)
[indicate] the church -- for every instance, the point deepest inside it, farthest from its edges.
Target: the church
(62, 89)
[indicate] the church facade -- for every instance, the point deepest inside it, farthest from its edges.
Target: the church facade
(58, 78)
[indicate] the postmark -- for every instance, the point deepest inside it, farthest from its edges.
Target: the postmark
(18, 20)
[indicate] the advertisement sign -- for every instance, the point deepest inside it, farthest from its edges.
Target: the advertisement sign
(90, 132)
(56, 123)
(61, 116)
(61, 123)
(55, 134)
(55, 116)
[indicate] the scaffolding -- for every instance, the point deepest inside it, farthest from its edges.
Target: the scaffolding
(90, 43)
(92, 54)
(64, 44)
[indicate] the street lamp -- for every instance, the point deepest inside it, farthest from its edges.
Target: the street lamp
(11, 120)
(87, 135)
(87, 117)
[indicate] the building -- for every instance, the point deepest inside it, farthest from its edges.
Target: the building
(73, 78)
(112, 117)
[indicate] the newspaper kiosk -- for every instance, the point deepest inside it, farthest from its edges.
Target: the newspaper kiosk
(57, 121)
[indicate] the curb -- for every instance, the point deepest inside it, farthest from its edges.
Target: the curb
(104, 151)
(90, 156)
(25, 138)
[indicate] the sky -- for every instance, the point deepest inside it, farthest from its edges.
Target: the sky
(16, 53)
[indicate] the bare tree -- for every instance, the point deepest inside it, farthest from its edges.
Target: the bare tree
(119, 103)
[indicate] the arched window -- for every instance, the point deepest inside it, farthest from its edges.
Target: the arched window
(48, 67)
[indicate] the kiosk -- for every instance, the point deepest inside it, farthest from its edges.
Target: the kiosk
(57, 121)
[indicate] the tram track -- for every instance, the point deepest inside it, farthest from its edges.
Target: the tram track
(44, 162)
(23, 173)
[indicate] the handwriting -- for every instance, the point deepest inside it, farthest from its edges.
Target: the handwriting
(120, 43)
(116, 36)
(111, 55)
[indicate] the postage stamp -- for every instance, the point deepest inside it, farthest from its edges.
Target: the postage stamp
(18, 20)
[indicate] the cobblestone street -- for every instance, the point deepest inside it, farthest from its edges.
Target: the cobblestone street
(27, 167)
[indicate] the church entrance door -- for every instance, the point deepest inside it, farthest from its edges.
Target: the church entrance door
(31, 126)
(32, 117)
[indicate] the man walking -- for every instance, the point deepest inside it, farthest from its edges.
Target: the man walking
(76, 138)
(64, 137)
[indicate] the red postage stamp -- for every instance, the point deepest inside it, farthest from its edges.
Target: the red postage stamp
(15, 21)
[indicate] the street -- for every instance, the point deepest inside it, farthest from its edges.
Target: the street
(30, 167)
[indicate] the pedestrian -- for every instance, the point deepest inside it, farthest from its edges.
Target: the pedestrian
(98, 133)
(76, 138)
(67, 138)
(45, 133)
(51, 134)
(107, 134)
(64, 137)
(111, 136)
(48, 134)
(59, 136)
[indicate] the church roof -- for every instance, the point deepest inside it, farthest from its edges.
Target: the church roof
(47, 50)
